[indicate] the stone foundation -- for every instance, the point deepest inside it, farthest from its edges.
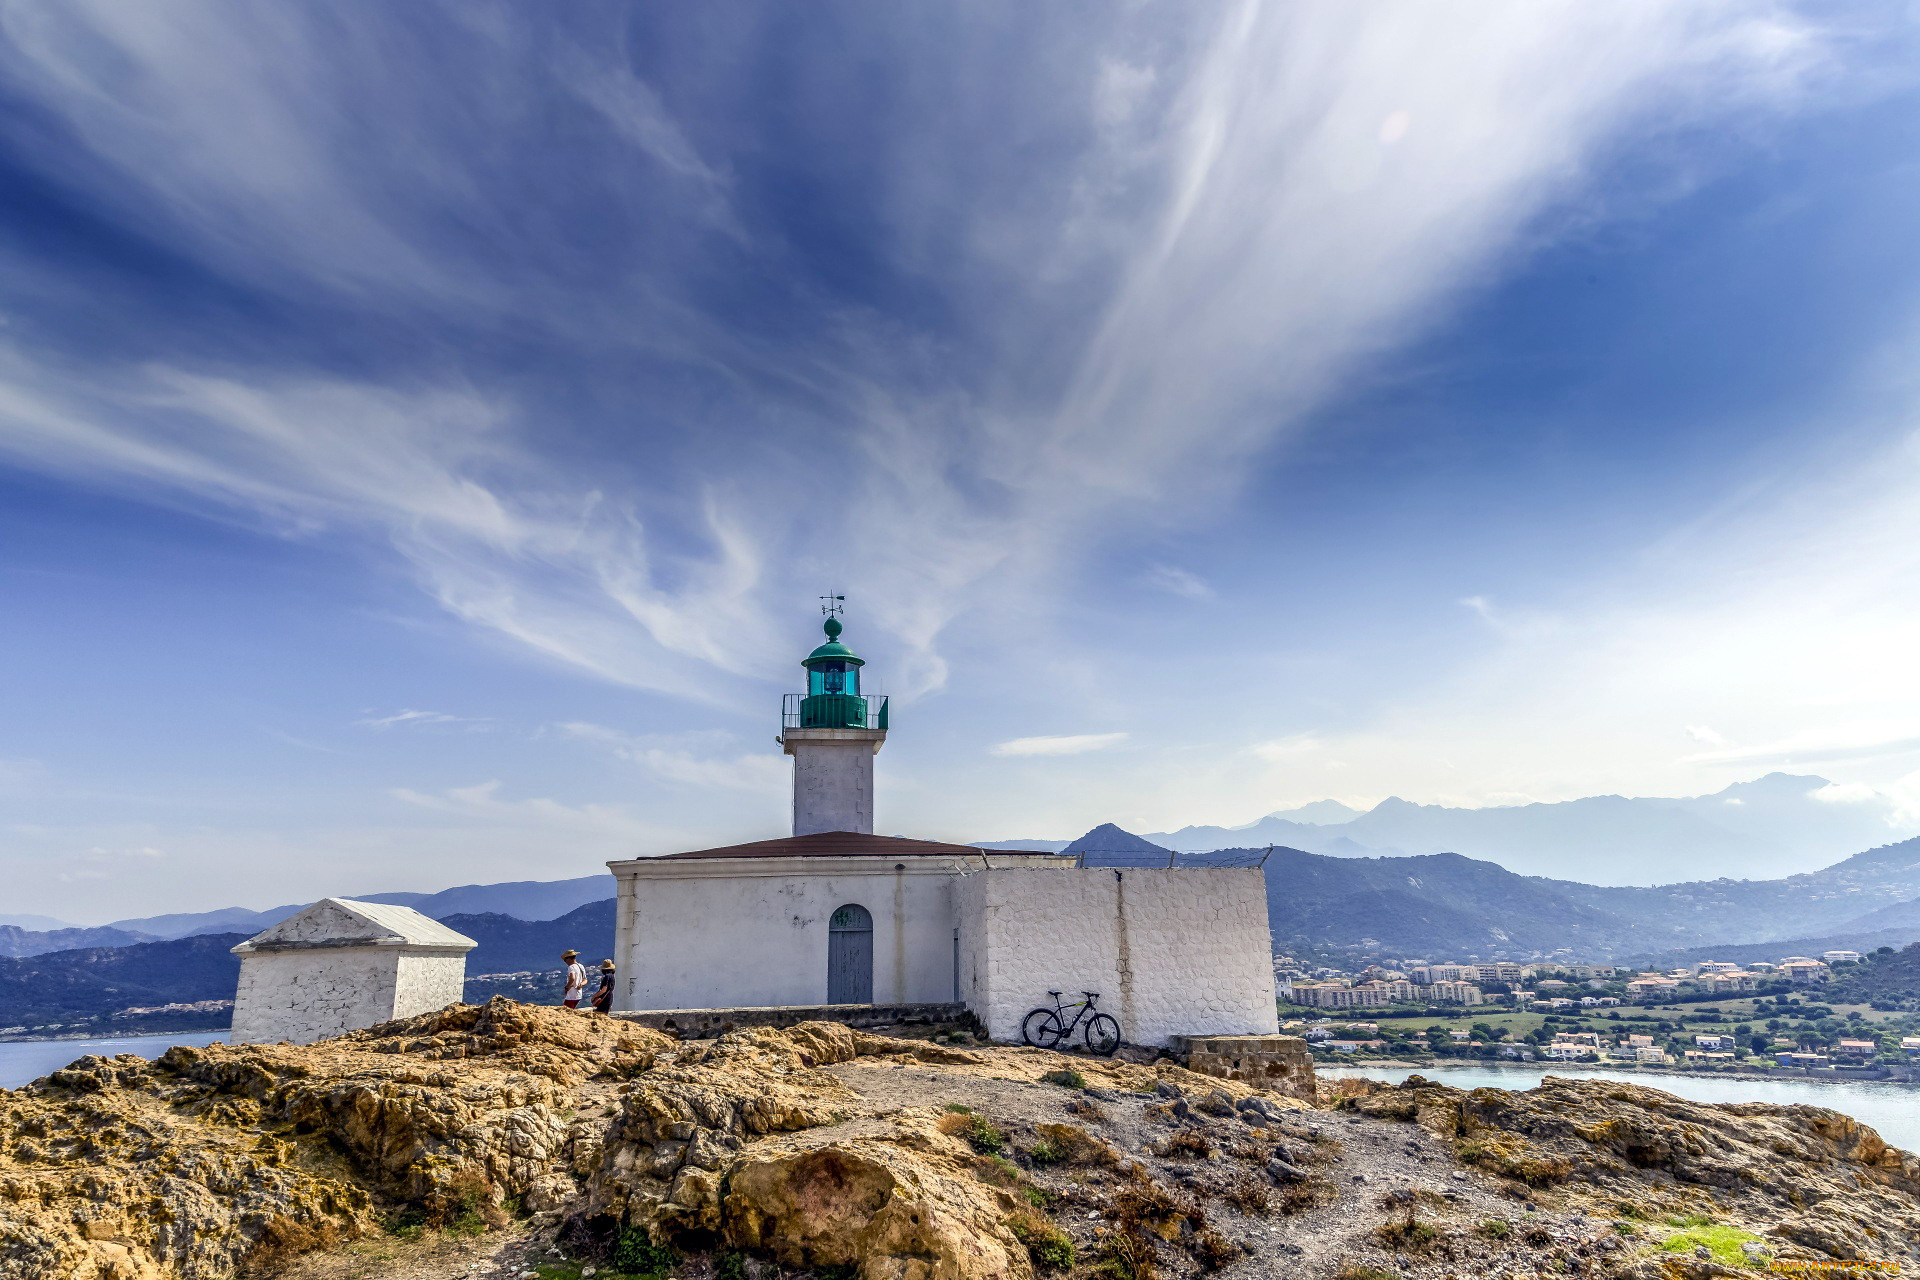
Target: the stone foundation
(1278, 1063)
(706, 1024)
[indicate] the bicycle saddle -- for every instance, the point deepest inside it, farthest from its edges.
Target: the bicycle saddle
(1053, 993)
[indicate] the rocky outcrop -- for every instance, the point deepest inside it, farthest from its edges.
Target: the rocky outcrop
(826, 1149)
(207, 1161)
(1805, 1175)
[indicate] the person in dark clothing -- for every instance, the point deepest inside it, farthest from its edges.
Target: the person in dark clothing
(603, 998)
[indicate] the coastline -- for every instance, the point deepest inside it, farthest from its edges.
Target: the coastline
(1801, 1076)
(116, 1035)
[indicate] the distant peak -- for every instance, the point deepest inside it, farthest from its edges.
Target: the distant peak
(1108, 838)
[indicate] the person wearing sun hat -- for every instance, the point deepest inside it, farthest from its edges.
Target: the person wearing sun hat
(603, 998)
(576, 979)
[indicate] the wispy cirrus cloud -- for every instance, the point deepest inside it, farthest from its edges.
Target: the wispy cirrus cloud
(1069, 744)
(1177, 582)
(690, 759)
(1225, 211)
(420, 719)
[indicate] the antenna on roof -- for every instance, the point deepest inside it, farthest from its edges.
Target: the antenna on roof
(831, 605)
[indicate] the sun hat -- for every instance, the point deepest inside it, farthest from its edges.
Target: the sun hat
(569, 954)
(606, 966)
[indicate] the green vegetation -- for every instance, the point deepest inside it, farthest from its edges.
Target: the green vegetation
(983, 1137)
(406, 1224)
(635, 1253)
(1494, 1229)
(1066, 1078)
(1044, 1152)
(1722, 1242)
(1050, 1248)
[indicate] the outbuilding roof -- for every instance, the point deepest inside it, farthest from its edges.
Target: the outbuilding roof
(850, 844)
(346, 922)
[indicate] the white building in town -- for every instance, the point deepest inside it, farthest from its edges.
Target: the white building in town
(340, 965)
(834, 914)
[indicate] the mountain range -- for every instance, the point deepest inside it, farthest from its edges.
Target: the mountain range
(1441, 906)
(1445, 905)
(1770, 827)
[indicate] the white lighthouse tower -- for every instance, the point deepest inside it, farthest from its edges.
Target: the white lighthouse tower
(833, 732)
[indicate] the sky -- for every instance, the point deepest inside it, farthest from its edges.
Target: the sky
(425, 432)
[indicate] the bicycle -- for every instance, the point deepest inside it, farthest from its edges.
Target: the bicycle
(1046, 1028)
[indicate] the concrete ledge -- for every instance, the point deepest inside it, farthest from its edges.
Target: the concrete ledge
(1280, 1063)
(704, 1024)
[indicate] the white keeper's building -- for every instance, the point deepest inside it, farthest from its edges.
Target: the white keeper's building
(834, 914)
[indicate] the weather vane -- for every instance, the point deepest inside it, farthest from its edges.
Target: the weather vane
(831, 605)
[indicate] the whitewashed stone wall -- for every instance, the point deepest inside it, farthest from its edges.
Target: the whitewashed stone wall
(753, 932)
(1171, 952)
(305, 995)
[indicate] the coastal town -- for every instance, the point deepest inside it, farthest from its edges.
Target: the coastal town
(1760, 1016)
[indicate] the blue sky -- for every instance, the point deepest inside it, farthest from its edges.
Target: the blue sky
(423, 436)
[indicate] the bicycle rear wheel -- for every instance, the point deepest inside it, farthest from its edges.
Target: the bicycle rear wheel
(1103, 1035)
(1042, 1029)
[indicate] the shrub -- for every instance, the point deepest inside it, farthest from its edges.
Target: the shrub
(1406, 1234)
(635, 1253)
(1250, 1197)
(406, 1224)
(1076, 1146)
(1125, 1255)
(998, 1170)
(984, 1138)
(1044, 1152)
(1066, 1078)
(1494, 1229)
(1299, 1197)
(1212, 1250)
(730, 1266)
(1050, 1248)
(978, 1131)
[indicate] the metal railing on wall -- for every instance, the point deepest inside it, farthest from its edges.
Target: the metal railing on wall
(1172, 859)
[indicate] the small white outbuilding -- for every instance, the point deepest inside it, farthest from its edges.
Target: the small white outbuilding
(340, 965)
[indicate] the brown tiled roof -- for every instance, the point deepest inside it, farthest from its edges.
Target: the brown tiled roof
(841, 844)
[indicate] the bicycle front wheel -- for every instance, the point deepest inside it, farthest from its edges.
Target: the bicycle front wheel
(1103, 1035)
(1042, 1029)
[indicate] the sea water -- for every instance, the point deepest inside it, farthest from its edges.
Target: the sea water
(24, 1060)
(1893, 1110)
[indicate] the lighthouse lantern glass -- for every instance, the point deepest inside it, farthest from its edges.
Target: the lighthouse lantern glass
(833, 676)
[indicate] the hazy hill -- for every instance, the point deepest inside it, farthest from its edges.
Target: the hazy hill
(1446, 904)
(521, 899)
(15, 941)
(508, 945)
(86, 985)
(1771, 826)
(1432, 905)
(1106, 843)
(1888, 977)
(36, 924)
(81, 985)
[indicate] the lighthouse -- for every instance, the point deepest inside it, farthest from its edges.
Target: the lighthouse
(833, 731)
